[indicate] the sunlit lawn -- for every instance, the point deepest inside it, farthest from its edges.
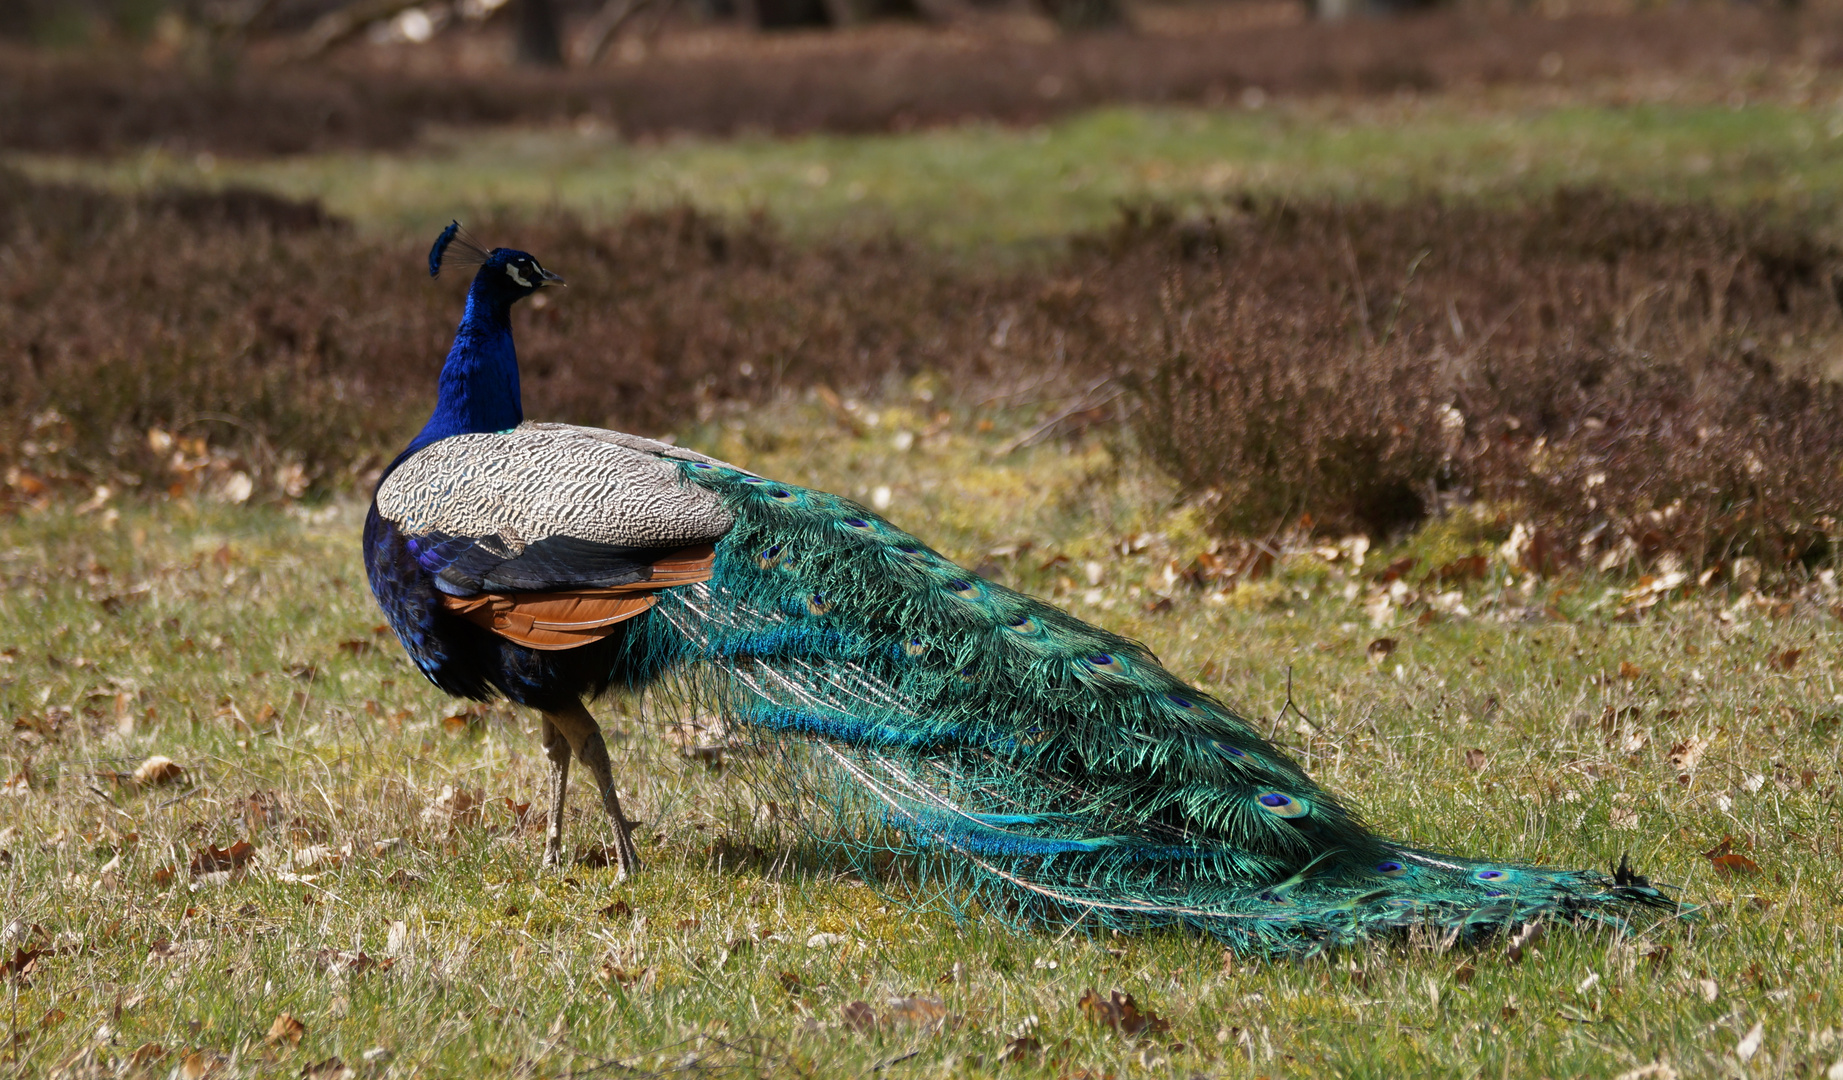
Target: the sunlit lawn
(241, 644)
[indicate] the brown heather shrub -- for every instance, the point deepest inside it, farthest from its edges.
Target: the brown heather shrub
(879, 78)
(1603, 368)
(309, 351)
(1629, 378)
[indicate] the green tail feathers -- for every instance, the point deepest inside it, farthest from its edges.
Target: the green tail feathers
(1047, 768)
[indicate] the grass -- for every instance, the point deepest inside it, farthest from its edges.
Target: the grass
(241, 644)
(985, 187)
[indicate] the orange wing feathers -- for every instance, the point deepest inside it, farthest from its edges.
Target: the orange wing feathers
(574, 617)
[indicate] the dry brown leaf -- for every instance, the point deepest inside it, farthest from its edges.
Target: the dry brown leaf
(1784, 661)
(330, 1069)
(1685, 755)
(18, 787)
(616, 976)
(349, 963)
(145, 1055)
(1728, 861)
(1379, 649)
(212, 860)
(286, 1029)
(1470, 568)
(620, 909)
(454, 807)
(597, 856)
(919, 1011)
(262, 809)
(1120, 1012)
(159, 770)
(858, 1016)
(1629, 670)
(790, 982)
(24, 963)
(1476, 759)
(1020, 1048)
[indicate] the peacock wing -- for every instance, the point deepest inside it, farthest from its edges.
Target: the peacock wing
(547, 507)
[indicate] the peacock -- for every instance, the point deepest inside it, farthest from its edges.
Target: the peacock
(1049, 769)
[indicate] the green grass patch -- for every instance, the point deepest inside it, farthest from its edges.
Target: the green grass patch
(241, 643)
(984, 186)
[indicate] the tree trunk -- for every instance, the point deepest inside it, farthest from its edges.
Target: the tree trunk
(540, 40)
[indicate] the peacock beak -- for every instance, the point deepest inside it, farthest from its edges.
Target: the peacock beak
(545, 277)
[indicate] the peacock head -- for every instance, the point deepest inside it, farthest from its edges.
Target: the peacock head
(504, 274)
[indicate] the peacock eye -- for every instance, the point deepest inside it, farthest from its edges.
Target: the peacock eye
(1390, 868)
(1180, 702)
(1281, 805)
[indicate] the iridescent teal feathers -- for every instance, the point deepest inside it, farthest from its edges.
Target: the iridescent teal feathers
(1041, 766)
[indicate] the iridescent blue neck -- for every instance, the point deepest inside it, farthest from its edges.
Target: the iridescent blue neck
(479, 382)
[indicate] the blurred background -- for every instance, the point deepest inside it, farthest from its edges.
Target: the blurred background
(1335, 267)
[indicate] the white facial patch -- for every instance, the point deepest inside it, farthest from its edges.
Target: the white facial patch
(512, 272)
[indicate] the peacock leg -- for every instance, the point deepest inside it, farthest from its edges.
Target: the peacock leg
(585, 737)
(557, 749)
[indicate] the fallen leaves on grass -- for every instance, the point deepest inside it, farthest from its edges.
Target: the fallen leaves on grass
(1726, 860)
(214, 860)
(610, 975)
(454, 807)
(330, 1069)
(1119, 1011)
(349, 963)
(24, 964)
(598, 856)
(1685, 755)
(920, 1012)
(287, 1029)
(158, 770)
(1379, 649)
(1476, 759)
(1784, 661)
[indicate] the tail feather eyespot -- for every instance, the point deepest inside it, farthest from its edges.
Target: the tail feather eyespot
(1391, 869)
(1281, 805)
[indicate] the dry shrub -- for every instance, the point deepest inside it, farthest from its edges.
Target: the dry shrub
(1604, 366)
(877, 78)
(309, 351)
(1633, 379)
